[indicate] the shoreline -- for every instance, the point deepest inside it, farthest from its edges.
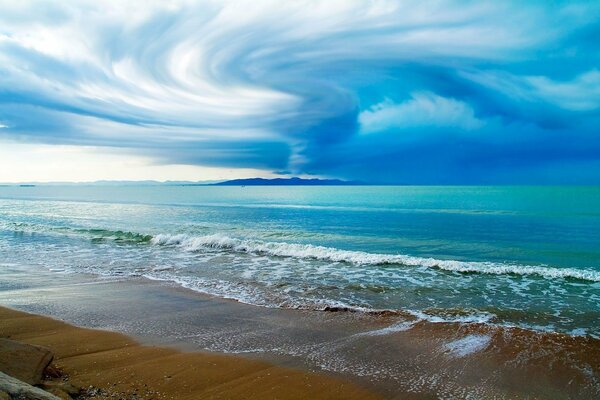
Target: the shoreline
(118, 365)
(387, 355)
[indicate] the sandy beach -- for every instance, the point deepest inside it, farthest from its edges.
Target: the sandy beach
(119, 367)
(182, 344)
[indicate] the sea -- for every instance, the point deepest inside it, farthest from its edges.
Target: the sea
(522, 256)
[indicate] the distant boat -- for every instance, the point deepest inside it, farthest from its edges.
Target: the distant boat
(26, 185)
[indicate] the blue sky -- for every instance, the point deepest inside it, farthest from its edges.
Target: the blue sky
(411, 92)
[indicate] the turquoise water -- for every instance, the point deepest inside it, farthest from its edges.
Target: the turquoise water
(526, 256)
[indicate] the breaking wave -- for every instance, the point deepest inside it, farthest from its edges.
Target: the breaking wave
(330, 254)
(310, 252)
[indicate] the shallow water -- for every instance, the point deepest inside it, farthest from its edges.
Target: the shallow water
(522, 256)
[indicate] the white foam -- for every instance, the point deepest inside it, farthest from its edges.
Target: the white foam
(322, 253)
(162, 268)
(474, 317)
(398, 327)
(467, 345)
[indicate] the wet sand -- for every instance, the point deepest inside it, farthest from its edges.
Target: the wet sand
(389, 354)
(120, 366)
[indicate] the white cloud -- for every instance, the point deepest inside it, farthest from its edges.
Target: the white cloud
(423, 109)
(230, 64)
(581, 93)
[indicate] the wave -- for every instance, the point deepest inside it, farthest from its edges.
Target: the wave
(117, 236)
(330, 254)
(95, 234)
(312, 252)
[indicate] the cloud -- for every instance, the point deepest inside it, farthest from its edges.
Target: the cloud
(294, 85)
(579, 94)
(420, 111)
(582, 93)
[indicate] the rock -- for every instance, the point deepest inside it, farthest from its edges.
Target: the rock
(17, 389)
(61, 394)
(24, 361)
(65, 387)
(52, 371)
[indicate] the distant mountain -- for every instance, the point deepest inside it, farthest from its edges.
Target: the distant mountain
(287, 182)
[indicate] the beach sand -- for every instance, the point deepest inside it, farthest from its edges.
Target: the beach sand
(199, 346)
(122, 368)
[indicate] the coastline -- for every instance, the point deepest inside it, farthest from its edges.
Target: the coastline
(385, 354)
(120, 366)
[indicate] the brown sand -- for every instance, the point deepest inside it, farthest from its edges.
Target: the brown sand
(122, 367)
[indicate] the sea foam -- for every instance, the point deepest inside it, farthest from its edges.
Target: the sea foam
(468, 345)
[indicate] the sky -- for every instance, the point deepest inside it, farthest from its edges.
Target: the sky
(383, 91)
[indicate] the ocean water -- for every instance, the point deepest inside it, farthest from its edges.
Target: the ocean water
(513, 256)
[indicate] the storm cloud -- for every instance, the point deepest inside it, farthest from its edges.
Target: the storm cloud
(383, 91)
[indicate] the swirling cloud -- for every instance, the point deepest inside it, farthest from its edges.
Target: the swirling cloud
(422, 110)
(333, 88)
